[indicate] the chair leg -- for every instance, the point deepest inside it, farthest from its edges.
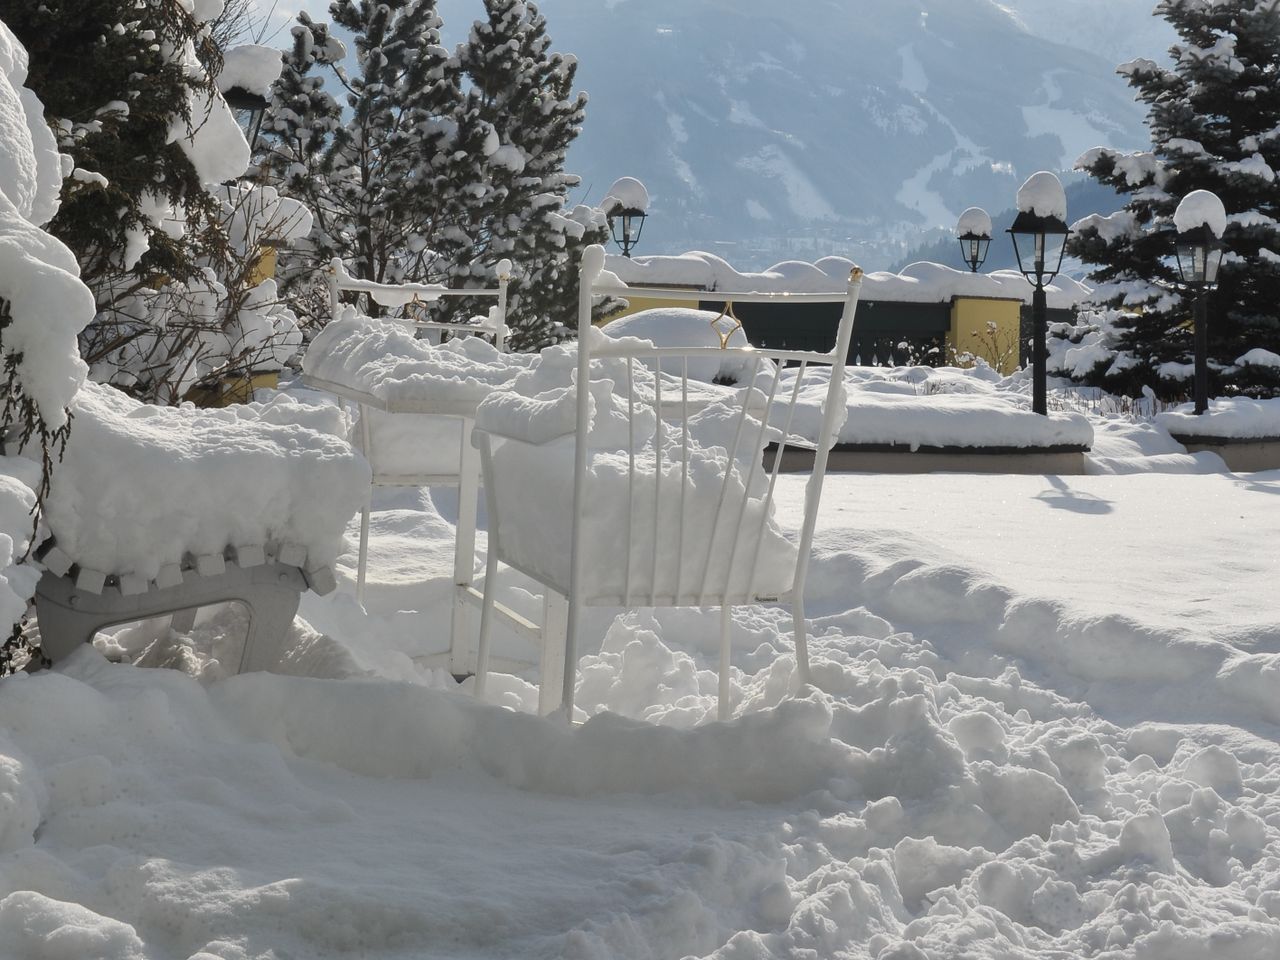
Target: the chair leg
(486, 616)
(800, 634)
(722, 706)
(555, 618)
(461, 653)
(362, 562)
(183, 621)
(271, 613)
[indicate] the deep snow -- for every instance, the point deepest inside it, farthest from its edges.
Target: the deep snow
(1043, 725)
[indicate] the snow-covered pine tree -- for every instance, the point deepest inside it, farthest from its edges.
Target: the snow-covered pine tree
(376, 176)
(1214, 118)
(525, 91)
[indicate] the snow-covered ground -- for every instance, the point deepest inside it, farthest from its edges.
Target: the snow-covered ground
(1043, 725)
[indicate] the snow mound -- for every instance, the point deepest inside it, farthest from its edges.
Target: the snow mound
(1258, 357)
(784, 752)
(141, 486)
(681, 327)
(1236, 418)
(943, 408)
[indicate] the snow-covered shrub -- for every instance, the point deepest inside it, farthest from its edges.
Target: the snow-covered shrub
(229, 318)
(43, 306)
(173, 260)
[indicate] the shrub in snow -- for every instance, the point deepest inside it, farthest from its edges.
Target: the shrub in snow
(173, 262)
(166, 336)
(129, 90)
(1213, 113)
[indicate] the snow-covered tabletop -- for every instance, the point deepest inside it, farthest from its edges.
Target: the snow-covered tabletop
(1228, 418)
(140, 486)
(383, 364)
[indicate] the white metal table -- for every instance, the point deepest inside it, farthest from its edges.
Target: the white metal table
(461, 658)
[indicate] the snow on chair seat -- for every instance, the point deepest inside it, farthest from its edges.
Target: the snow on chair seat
(162, 509)
(613, 483)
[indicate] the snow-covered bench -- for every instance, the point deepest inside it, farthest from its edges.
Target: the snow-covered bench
(161, 510)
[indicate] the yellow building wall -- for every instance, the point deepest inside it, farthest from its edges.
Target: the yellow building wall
(986, 328)
(264, 267)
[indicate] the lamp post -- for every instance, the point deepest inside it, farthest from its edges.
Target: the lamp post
(1200, 220)
(973, 230)
(626, 205)
(1041, 222)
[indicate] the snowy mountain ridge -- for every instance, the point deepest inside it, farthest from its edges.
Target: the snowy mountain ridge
(829, 127)
(852, 127)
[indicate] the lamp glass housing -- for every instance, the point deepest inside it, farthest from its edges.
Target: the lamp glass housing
(1199, 255)
(249, 109)
(974, 248)
(627, 224)
(1040, 244)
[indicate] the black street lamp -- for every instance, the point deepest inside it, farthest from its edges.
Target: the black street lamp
(1200, 221)
(626, 205)
(249, 109)
(627, 224)
(973, 230)
(1041, 223)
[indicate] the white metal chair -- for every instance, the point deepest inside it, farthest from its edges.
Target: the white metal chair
(659, 516)
(447, 430)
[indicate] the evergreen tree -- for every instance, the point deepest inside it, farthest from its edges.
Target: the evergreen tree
(377, 177)
(525, 92)
(1214, 118)
(116, 77)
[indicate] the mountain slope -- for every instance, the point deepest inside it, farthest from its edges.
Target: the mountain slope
(1116, 30)
(821, 126)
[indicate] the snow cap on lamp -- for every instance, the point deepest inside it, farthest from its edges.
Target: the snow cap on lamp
(1201, 208)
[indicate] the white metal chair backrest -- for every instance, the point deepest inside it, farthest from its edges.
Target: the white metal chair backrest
(661, 527)
(338, 279)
